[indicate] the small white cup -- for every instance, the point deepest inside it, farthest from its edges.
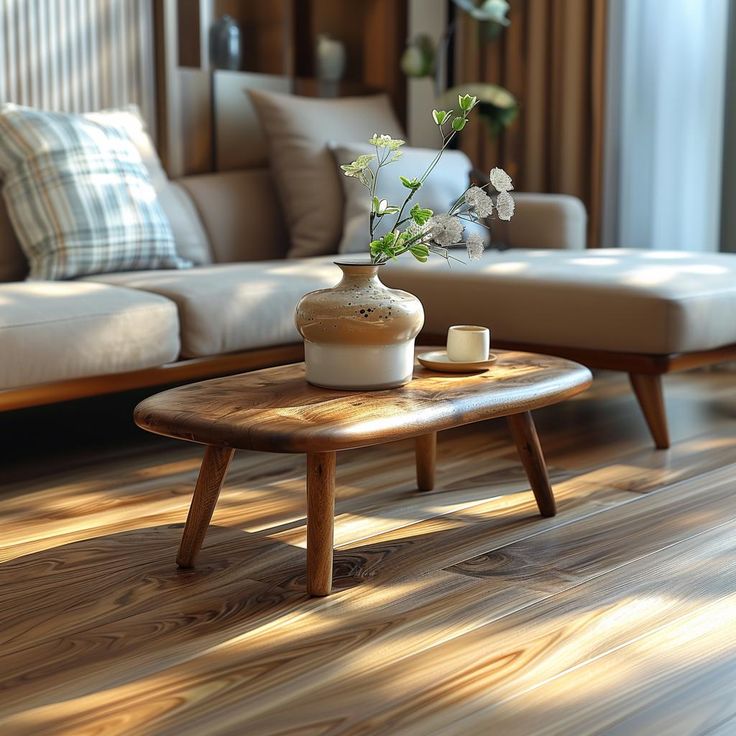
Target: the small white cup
(468, 343)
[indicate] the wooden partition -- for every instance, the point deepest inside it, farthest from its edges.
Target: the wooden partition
(278, 40)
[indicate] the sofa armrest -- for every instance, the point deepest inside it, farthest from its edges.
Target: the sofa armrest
(554, 221)
(543, 221)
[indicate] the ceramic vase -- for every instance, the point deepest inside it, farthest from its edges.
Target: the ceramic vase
(359, 334)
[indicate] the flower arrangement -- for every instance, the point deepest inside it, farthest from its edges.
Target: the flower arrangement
(419, 230)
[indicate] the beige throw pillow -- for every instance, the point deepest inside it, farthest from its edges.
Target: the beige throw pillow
(298, 130)
(444, 186)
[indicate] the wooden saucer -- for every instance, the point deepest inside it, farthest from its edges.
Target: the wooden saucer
(437, 360)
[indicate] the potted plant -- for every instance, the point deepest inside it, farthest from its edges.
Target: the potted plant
(360, 334)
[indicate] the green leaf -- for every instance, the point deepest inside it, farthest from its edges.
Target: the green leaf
(412, 184)
(439, 116)
(420, 214)
(466, 102)
(385, 245)
(420, 251)
(458, 124)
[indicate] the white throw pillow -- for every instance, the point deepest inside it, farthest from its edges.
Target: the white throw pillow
(298, 130)
(447, 182)
(79, 196)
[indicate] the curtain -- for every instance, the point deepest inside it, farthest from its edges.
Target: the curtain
(665, 127)
(552, 58)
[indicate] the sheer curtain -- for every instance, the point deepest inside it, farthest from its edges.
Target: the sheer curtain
(664, 140)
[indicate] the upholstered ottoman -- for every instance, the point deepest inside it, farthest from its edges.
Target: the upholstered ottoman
(644, 312)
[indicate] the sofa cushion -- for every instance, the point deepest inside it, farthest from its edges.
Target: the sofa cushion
(189, 234)
(623, 300)
(52, 331)
(80, 199)
(298, 130)
(191, 240)
(230, 307)
(241, 213)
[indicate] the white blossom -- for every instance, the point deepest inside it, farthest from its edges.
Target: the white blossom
(479, 202)
(357, 167)
(475, 246)
(386, 141)
(421, 232)
(501, 180)
(446, 229)
(505, 206)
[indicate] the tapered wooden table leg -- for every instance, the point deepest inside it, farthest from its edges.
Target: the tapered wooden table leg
(426, 459)
(320, 521)
(530, 452)
(211, 474)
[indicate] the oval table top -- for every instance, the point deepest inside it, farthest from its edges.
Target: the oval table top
(276, 410)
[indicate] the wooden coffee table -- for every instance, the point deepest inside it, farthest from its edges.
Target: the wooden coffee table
(275, 410)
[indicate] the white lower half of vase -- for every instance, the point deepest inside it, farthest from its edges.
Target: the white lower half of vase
(359, 367)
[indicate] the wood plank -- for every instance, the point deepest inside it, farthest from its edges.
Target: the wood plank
(434, 689)
(678, 679)
(183, 370)
(100, 634)
(239, 652)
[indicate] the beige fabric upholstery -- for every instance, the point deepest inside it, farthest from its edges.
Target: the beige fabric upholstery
(241, 214)
(615, 299)
(52, 331)
(447, 183)
(543, 221)
(231, 307)
(298, 130)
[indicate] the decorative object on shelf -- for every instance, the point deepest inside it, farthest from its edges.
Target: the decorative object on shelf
(496, 105)
(226, 50)
(489, 11)
(360, 334)
(330, 57)
(468, 343)
(418, 58)
(438, 360)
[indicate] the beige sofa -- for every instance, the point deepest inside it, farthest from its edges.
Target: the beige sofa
(643, 312)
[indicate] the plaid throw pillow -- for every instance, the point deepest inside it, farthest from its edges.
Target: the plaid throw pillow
(79, 197)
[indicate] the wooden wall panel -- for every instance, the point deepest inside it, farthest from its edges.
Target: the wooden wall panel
(77, 55)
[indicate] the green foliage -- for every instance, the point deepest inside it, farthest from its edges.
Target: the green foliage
(420, 251)
(366, 169)
(420, 215)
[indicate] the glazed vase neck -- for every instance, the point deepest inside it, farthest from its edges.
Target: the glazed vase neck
(358, 272)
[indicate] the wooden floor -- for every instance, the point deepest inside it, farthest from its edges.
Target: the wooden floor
(456, 612)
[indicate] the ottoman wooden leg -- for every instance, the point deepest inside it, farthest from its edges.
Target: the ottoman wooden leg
(320, 521)
(426, 459)
(211, 474)
(648, 390)
(530, 452)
